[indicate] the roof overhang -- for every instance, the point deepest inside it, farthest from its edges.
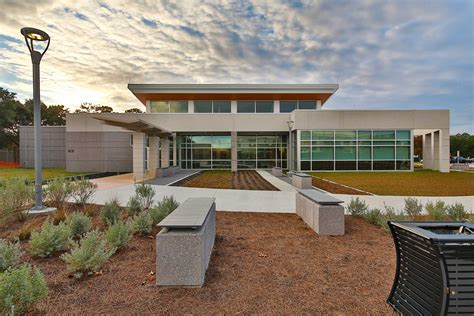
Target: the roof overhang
(166, 92)
(136, 126)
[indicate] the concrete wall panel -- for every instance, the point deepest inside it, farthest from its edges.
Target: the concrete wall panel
(53, 142)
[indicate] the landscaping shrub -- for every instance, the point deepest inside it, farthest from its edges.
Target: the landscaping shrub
(357, 207)
(59, 216)
(118, 235)
(82, 191)
(15, 198)
(390, 214)
(58, 191)
(142, 223)
(111, 212)
(134, 206)
(79, 224)
(24, 233)
(88, 255)
(21, 289)
(50, 240)
(163, 209)
(413, 207)
(145, 194)
(457, 212)
(373, 216)
(437, 211)
(10, 254)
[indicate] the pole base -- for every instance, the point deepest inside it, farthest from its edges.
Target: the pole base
(41, 210)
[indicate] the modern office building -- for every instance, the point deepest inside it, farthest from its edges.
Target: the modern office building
(249, 126)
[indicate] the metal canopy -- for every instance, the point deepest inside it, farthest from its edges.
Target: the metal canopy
(137, 126)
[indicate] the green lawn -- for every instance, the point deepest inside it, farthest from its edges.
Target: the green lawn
(7, 173)
(418, 183)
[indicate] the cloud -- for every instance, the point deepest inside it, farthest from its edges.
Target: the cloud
(403, 54)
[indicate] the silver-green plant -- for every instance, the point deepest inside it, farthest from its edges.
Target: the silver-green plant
(142, 223)
(134, 206)
(390, 214)
(21, 288)
(163, 209)
(10, 254)
(373, 216)
(50, 239)
(111, 212)
(145, 194)
(16, 196)
(457, 212)
(79, 224)
(58, 192)
(118, 235)
(88, 255)
(83, 190)
(437, 211)
(357, 207)
(413, 207)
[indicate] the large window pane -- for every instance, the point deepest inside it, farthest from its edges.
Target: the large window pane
(245, 106)
(346, 165)
(322, 153)
(365, 135)
(384, 135)
(246, 153)
(403, 135)
(305, 135)
(179, 106)
(384, 165)
(365, 153)
(287, 106)
(221, 153)
(203, 106)
(201, 153)
(349, 135)
(403, 152)
(159, 106)
(345, 153)
(264, 106)
(323, 165)
(305, 153)
(266, 153)
(384, 153)
(307, 105)
(323, 135)
(221, 106)
(403, 165)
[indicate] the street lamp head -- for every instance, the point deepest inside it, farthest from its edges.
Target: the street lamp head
(33, 35)
(290, 124)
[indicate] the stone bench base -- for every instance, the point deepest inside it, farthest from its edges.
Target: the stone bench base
(277, 172)
(323, 219)
(302, 181)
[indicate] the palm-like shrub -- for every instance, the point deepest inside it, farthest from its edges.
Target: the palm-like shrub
(10, 254)
(413, 207)
(15, 198)
(357, 207)
(79, 224)
(118, 235)
(142, 223)
(21, 289)
(111, 212)
(457, 212)
(88, 255)
(50, 240)
(437, 211)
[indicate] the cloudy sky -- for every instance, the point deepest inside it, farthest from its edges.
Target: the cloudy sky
(384, 54)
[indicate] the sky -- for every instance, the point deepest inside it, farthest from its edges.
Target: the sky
(383, 54)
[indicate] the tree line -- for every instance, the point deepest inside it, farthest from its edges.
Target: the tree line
(14, 113)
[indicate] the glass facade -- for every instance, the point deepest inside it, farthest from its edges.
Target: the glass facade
(261, 151)
(214, 106)
(255, 107)
(204, 151)
(169, 106)
(355, 150)
(290, 106)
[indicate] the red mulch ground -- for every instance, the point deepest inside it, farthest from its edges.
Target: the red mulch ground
(261, 264)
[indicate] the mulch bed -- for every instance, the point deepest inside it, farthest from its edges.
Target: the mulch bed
(240, 180)
(332, 187)
(261, 264)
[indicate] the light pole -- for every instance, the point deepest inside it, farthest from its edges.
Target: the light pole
(290, 149)
(33, 36)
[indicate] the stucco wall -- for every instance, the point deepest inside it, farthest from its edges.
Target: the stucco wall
(54, 146)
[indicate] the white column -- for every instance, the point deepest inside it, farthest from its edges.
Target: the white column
(233, 150)
(138, 156)
(190, 106)
(412, 150)
(276, 106)
(148, 106)
(165, 152)
(233, 106)
(436, 149)
(318, 105)
(444, 148)
(175, 150)
(428, 151)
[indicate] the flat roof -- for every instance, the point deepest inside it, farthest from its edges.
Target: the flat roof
(164, 92)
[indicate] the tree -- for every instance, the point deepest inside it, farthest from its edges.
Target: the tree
(133, 110)
(464, 143)
(93, 108)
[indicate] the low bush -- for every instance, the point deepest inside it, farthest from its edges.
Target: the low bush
(16, 196)
(82, 191)
(357, 207)
(10, 254)
(58, 192)
(24, 233)
(59, 216)
(118, 235)
(111, 212)
(142, 224)
(413, 207)
(88, 255)
(373, 216)
(134, 206)
(437, 211)
(21, 289)
(390, 214)
(79, 224)
(50, 240)
(457, 212)
(145, 193)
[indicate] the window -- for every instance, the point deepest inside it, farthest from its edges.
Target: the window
(178, 106)
(169, 106)
(159, 107)
(245, 106)
(287, 106)
(307, 105)
(221, 106)
(202, 106)
(264, 106)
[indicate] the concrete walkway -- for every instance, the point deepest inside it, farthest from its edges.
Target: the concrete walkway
(276, 182)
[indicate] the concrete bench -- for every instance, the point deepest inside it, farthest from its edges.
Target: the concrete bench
(162, 172)
(277, 172)
(302, 180)
(184, 245)
(173, 170)
(320, 211)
